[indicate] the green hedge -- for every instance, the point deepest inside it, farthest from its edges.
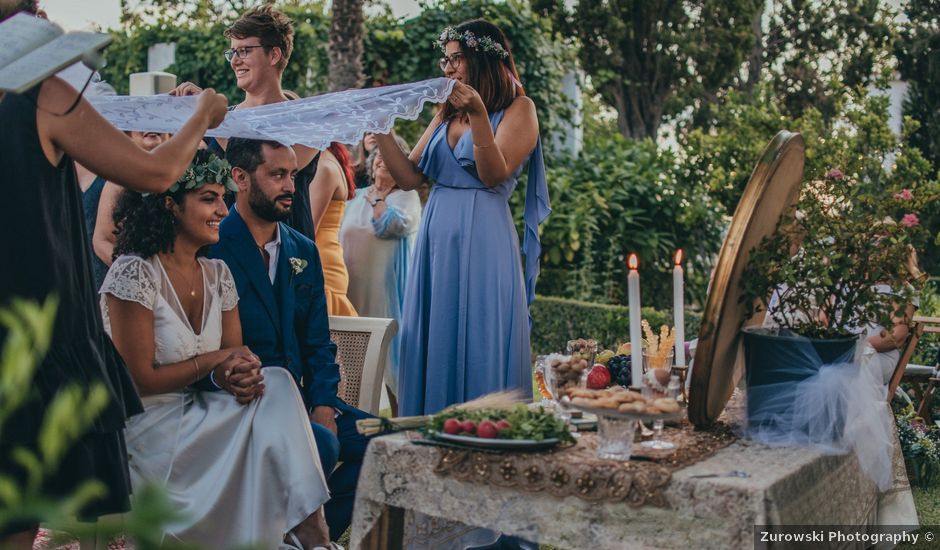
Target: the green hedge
(557, 320)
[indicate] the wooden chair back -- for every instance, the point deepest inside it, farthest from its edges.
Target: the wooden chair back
(919, 325)
(362, 348)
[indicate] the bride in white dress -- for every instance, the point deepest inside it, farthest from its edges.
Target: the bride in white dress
(241, 468)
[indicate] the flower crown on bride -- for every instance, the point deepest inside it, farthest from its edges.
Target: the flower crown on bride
(483, 44)
(214, 170)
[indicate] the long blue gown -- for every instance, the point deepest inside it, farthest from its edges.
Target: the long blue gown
(465, 326)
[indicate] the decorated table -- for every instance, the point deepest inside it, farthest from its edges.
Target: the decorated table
(703, 486)
(578, 501)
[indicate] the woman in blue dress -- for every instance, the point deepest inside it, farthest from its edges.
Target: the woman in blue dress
(465, 324)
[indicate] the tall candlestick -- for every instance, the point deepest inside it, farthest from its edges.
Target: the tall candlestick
(636, 339)
(678, 307)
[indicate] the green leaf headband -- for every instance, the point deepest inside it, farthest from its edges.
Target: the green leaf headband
(216, 170)
(481, 44)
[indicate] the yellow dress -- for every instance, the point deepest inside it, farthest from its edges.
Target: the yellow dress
(335, 276)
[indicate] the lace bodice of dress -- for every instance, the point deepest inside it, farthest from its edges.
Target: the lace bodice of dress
(144, 281)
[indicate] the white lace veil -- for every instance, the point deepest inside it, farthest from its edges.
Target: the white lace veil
(314, 121)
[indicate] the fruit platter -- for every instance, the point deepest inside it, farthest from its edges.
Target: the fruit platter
(517, 429)
(619, 402)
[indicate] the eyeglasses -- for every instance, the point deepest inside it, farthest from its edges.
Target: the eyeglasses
(241, 52)
(453, 60)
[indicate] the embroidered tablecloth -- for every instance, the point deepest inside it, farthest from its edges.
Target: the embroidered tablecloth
(786, 486)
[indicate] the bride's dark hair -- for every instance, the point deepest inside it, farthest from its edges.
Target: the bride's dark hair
(145, 226)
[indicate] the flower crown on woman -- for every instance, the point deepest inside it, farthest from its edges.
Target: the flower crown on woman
(483, 44)
(212, 169)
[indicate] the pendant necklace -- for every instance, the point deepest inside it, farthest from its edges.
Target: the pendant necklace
(192, 278)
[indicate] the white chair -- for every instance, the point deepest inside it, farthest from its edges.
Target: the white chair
(362, 349)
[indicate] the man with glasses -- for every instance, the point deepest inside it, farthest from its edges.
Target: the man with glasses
(262, 40)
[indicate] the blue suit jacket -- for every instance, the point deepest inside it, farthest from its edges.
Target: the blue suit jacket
(285, 324)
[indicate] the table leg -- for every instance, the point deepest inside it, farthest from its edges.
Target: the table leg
(388, 531)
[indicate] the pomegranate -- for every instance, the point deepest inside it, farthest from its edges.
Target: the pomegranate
(598, 378)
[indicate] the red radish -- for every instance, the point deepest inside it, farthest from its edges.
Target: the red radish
(503, 425)
(468, 426)
(452, 426)
(487, 430)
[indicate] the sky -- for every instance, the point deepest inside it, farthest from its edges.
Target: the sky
(86, 14)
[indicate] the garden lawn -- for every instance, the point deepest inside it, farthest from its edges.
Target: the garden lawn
(927, 501)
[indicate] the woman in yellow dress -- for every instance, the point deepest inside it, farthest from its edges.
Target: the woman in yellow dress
(329, 190)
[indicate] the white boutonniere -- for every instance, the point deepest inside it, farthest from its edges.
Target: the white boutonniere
(298, 265)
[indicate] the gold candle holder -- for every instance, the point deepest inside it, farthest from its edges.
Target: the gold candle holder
(682, 371)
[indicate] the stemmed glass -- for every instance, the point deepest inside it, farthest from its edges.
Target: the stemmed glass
(656, 374)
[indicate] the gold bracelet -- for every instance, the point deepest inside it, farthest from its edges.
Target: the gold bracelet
(484, 146)
(196, 368)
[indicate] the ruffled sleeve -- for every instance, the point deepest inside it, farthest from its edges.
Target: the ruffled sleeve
(537, 209)
(227, 290)
(401, 217)
(133, 279)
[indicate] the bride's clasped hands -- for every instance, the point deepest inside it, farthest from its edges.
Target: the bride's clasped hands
(240, 375)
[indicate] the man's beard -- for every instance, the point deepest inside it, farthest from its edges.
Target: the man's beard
(265, 208)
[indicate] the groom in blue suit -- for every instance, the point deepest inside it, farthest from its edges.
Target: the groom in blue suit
(284, 320)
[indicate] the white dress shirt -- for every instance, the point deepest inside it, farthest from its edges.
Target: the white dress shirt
(273, 248)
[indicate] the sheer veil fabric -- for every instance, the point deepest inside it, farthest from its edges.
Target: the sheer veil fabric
(835, 408)
(313, 121)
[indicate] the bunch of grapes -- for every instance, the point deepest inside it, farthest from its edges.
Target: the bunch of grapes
(619, 367)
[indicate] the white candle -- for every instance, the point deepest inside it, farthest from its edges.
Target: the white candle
(636, 338)
(678, 306)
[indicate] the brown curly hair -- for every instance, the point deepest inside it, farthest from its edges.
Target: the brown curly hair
(145, 226)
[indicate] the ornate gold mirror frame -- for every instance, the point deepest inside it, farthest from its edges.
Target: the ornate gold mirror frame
(774, 185)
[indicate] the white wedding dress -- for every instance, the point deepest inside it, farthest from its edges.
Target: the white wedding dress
(240, 474)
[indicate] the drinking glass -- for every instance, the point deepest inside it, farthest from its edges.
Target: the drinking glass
(615, 437)
(557, 381)
(656, 375)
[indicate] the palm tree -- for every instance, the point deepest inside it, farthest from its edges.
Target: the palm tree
(346, 47)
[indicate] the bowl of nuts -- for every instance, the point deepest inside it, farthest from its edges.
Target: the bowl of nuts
(564, 372)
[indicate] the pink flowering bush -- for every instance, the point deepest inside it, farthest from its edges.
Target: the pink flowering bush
(829, 253)
(910, 220)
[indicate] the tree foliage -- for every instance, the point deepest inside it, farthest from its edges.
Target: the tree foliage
(813, 48)
(855, 139)
(622, 196)
(918, 52)
(651, 58)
